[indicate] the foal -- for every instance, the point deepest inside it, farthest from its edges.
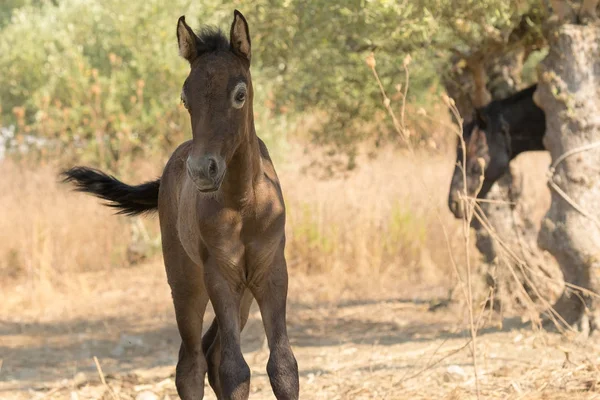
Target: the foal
(499, 132)
(222, 220)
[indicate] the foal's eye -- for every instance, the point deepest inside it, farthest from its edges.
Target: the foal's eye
(238, 97)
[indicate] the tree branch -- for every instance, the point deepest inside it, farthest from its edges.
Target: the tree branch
(563, 10)
(481, 95)
(587, 12)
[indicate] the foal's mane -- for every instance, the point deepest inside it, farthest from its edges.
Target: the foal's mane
(211, 39)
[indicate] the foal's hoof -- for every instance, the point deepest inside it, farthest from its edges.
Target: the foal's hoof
(189, 376)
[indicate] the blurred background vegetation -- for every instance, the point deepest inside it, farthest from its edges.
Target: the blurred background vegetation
(100, 79)
(97, 82)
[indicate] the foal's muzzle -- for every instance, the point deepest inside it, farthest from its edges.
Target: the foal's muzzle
(206, 172)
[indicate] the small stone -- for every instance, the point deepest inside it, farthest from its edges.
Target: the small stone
(79, 379)
(518, 338)
(146, 395)
(349, 351)
(454, 373)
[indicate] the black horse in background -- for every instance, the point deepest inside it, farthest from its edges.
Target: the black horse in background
(498, 133)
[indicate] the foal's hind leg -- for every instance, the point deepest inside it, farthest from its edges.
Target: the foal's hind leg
(211, 344)
(271, 294)
(189, 298)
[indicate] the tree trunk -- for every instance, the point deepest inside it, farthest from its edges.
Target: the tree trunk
(512, 223)
(562, 9)
(517, 227)
(481, 95)
(459, 86)
(510, 214)
(569, 93)
(504, 73)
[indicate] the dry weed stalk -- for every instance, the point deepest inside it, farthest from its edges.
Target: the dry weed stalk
(103, 380)
(400, 128)
(509, 257)
(474, 211)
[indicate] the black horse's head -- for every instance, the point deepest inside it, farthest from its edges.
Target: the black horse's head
(485, 158)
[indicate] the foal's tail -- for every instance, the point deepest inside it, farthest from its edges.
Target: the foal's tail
(129, 200)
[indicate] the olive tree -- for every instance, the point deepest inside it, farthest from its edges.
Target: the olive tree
(569, 93)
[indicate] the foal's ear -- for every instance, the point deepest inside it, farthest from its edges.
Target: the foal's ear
(240, 36)
(187, 40)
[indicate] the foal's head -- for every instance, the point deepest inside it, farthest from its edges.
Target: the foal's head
(218, 95)
(487, 157)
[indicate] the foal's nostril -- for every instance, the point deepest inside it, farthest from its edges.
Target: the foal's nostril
(212, 168)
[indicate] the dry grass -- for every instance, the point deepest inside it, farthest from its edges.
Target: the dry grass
(371, 224)
(364, 349)
(49, 235)
(373, 229)
(473, 211)
(372, 234)
(368, 235)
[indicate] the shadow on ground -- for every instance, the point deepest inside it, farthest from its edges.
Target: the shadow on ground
(40, 352)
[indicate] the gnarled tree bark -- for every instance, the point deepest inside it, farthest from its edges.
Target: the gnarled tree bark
(505, 72)
(472, 84)
(569, 93)
(481, 95)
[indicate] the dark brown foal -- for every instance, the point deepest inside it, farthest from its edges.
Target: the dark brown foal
(222, 220)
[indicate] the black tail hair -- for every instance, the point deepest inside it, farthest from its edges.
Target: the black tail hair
(129, 200)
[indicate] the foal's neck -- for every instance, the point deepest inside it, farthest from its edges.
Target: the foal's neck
(243, 171)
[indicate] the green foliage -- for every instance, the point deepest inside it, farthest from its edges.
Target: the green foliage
(529, 68)
(406, 233)
(315, 51)
(105, 73)
(312, 240)
(9, 6)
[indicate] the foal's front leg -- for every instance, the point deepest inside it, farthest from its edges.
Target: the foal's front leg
(190, 299)
(225, 289)
(211, 344)
(271, 295)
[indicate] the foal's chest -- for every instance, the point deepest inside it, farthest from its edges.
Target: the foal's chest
(234, 239)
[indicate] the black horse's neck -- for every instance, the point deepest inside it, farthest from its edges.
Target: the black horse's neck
(532, 140)
(525, 121)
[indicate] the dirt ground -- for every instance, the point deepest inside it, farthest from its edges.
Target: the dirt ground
(393, 347)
